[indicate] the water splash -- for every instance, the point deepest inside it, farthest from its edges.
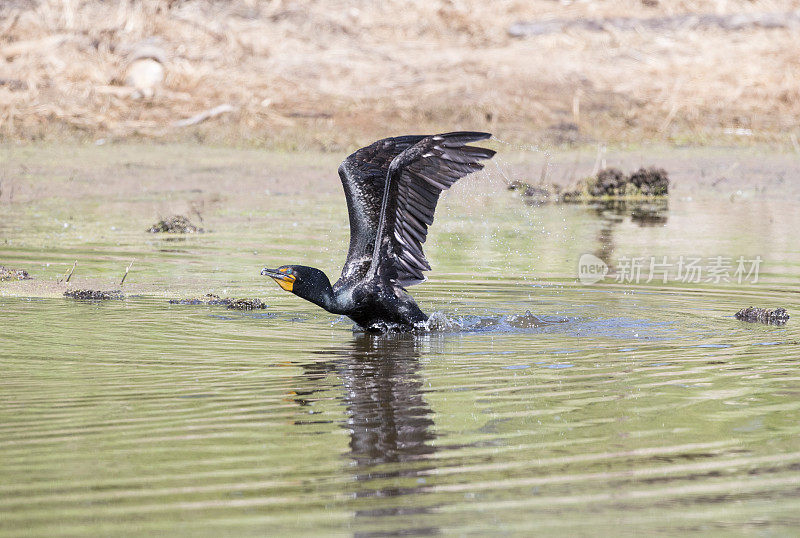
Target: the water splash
(440, 322)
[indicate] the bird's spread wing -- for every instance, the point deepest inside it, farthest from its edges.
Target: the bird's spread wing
(417, 169)
(363, 176)
(421, 173)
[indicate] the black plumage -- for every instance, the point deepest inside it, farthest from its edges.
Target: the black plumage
(392, 187)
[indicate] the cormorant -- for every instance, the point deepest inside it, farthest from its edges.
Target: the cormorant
(392, 187)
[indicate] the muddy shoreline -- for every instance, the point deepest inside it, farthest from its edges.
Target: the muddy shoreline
(207, 173)
(97, 203)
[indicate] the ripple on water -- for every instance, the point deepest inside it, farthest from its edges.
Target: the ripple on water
(648, 409)
(143, 417)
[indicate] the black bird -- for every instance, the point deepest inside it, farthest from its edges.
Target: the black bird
(392, 187)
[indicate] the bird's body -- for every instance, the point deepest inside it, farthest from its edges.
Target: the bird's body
(392, 187)
(378, 303)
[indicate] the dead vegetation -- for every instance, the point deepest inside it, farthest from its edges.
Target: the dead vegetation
(752, 314)
(94, 295)
(614, 183)
(211, 299)
(7, 273)
(176, 224)
(607, 185)
(334, 73)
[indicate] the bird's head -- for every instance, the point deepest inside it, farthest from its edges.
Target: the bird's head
(306, 282)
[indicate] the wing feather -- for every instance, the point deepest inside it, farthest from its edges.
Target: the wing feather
(363, 176)
(422, 172)
(418, 168)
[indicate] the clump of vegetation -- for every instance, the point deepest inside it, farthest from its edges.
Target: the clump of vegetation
(210, 299)
(207, 299)
(176, 224)
(607, 184)
(13, 274)
(94, 295)
(614, 183)
(752, 314)
(246, 304)
(651, 181)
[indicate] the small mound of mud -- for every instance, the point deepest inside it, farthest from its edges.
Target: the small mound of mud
(176, 224)
(210, 299)
(13, 274)
(751, 314)
(94, 295)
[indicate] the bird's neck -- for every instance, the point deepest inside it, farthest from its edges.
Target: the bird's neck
(326, 300)
(324, 296)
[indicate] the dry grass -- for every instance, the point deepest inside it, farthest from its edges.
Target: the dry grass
(334, 73)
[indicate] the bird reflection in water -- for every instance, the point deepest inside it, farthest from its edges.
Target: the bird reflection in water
(390, 423)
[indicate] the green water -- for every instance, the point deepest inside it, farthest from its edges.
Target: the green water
(636, 408)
